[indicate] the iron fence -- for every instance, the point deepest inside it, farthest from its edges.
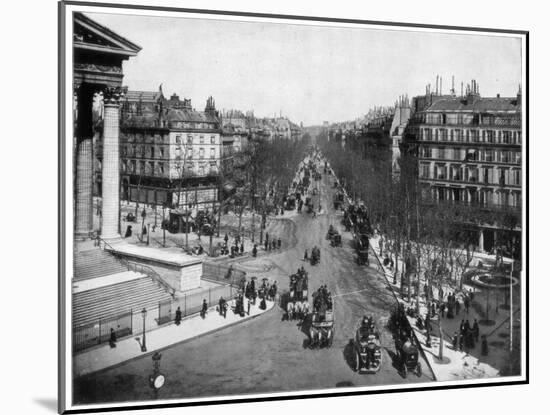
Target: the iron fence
(192, 303)
(99, 331)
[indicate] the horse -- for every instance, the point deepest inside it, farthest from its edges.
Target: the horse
(290, 310)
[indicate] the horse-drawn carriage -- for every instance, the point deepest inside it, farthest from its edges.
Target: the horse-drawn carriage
(315, 256)
(297, 305)
(336, 240)
(407, 356)
(368, 356)
(321, 331)
(406, 350)
(362, 248)
(338, 200)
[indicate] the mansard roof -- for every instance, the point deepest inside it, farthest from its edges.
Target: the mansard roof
(475, 104)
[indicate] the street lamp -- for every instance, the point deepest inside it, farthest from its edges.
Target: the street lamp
(143, 345)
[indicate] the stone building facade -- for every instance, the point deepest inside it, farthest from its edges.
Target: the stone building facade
(469, 153)
(170, 153)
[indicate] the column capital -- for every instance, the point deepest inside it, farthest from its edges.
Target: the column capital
(112, 95)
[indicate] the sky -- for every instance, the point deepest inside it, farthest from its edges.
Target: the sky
(310, 74)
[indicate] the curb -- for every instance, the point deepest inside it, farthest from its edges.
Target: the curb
(410, 326)
(149, 353)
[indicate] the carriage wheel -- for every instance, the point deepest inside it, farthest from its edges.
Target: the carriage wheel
(405, 370)
(357, 361)
(418, 370)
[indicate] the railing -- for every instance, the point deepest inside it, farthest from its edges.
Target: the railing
(133, 266)
(222, 273)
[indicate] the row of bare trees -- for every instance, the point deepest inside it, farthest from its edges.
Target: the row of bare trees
(424, 237)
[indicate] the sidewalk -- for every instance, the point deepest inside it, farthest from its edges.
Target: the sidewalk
(457, 364)
(129, 348)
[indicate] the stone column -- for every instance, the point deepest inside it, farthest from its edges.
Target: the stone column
(481, 240)
(84, 163)
(110, 166)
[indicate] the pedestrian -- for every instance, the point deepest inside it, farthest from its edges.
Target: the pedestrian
(242, 248)
(128, 231)
(204, 308)
(274, 244)
(112, 339)
(460, 341)
(178, 317)
(248, 307)
(484, 346)
(455, 340)
(462, 327)
(267, 237)
(305, 255)
(265, 244)
(254, 251)
(457, 307)
(226, 238)
(279, 243)
(475, 329)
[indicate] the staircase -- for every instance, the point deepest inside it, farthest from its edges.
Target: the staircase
(113, 300)
(96, 263)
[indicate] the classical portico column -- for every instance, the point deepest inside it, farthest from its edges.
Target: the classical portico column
(110, 165)
(84, 162)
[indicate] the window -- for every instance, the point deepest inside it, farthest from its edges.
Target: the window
(427, 152)
(212, 152)
(425, 170)
(491, 136)
(152, 152)
(141, 167)
(506, 137)
(456, 153)
(201, 139)
(428, 134)
(132, 166)
(161, 152)
(489, 156)
(178, 139)
(189, 139)
(212, 139)
(201, 153)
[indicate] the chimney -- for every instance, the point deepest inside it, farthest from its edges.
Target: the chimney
(436, 83)
(453, 86)
(440, 85)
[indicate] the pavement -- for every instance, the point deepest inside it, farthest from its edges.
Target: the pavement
(103, 357)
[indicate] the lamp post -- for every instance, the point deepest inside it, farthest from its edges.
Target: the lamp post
(143, 344)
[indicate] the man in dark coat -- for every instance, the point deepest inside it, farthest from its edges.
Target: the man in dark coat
(279, 243)
(475, 330)
(266, 244)
(254, 251)
(204, 308)
(178, 317)
(112, 339)
(242, 248)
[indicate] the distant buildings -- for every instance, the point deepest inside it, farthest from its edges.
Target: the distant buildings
(469, 153)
